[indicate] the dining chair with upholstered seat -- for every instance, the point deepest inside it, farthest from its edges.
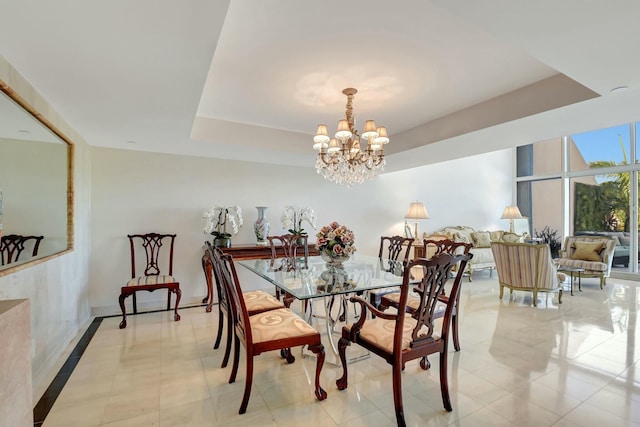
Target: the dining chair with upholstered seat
(400, 337)
(295, 253)
(433, 248)
(257, 301)
(148, 248)
(279, 329)
(12, 246)
(393, 250)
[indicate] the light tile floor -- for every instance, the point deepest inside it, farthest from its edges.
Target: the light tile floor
(569, 365)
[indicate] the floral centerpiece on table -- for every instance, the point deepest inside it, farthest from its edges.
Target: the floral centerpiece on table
(293, 217)
(216, 221)
(336, 241)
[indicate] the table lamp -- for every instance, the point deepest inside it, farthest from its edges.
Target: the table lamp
(511, 213)
(416, 211)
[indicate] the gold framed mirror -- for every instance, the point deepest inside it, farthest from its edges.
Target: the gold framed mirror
(36, 183)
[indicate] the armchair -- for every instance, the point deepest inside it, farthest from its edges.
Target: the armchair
(526, 267)
(401, 337)
(593, 253)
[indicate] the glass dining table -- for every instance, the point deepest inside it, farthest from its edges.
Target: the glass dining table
(315, 279)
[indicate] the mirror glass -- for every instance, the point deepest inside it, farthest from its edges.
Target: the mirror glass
(35, 177)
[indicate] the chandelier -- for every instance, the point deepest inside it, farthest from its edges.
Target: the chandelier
(341, 159)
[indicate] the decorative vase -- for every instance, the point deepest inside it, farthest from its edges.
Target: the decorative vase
(333, 260)
(261, 226)
(334, 275)
(222, 242)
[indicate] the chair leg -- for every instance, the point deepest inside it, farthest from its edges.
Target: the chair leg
(169, 300)
(444, 384)
(397, 394)
(176, 316)
(424, 363)
(454, 327)
(135, 304)
(227, 350)
(341, 383)
(318, 350)
(236, 360)
(121, 299)
(247, 384)
(216, 345)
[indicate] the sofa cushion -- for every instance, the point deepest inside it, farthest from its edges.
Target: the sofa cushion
(482, 255)
(496, 236)
(481, 239)
(511, 238)
(587, 251)
(624, 240)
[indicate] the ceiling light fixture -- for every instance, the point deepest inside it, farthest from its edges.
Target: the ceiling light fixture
(341, 159)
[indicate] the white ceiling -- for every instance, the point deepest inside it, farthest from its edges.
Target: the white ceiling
(213, 78)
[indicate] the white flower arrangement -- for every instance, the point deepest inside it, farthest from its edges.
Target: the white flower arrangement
(217, 218)
(293, 217)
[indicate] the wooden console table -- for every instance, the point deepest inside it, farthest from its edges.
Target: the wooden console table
(245, 251)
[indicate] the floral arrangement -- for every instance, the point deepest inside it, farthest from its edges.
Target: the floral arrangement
(217, 218)
(293, 217)
(336, 239)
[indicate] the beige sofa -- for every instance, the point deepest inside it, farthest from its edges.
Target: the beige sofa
(481, 240)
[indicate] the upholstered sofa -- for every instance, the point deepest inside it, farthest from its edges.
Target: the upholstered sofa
(593, 253)
(481, 240)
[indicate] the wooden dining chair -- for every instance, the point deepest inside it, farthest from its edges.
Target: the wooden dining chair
(156, 261)
(433, 248)
(12, 246)
(401, 337)
(295, 253)
(257, 301)
(279, 329)
(393, 250)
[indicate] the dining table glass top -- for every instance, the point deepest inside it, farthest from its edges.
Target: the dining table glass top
(318, 279)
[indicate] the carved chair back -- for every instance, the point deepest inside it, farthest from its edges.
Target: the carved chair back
(152, 243)
(214, 257)
(445, 246)
(12, 245)
(294, 247)
(395, 249)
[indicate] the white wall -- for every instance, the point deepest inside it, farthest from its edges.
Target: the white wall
(134, 192)
(57, 289)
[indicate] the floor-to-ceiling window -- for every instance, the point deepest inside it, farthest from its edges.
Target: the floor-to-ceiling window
(585, 183)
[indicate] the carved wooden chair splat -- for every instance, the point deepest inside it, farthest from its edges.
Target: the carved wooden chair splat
(152, 277)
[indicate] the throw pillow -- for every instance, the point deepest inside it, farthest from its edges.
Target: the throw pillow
(481, 239)
(587, 251)
(438, 236)
(511, 238)
(625, 240)
(496, 236)
(461, 237)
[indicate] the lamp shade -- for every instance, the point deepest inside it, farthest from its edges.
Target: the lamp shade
(417, 211)
(511, 212)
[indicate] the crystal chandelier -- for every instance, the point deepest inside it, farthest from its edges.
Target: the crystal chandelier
(341, 159)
